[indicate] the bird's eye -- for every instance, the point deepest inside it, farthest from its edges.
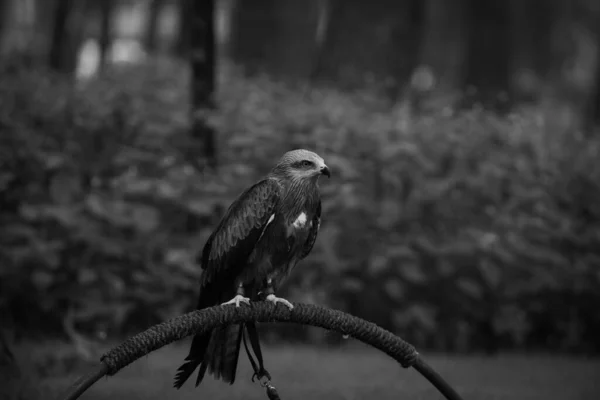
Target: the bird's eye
(306, 163)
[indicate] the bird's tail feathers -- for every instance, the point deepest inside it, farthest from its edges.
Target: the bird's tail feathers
(195, 357)
(223, 352)
(218, 351)
(184, 372)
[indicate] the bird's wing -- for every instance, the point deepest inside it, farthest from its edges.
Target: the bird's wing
(229, 246)
(312, 235)
(223, 259)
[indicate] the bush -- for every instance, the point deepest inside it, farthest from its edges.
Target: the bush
(459, 230)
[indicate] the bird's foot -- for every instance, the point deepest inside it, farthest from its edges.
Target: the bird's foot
(276, 300)
(237, 300)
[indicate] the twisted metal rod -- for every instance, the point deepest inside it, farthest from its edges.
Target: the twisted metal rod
(204, 320)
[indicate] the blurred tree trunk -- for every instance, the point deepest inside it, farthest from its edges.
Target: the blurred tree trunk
(592, 117)
(182, 43)
(373, 42)
(17, 28)
(443, 44)
(43, 26)
(203, 66)
(487, 69)
(253, 36)
(530, 41)
(64, 40)
(326, 16)
(343, 40)
(106, 16)
(225, 28)
(4, 9)
(294, 40)
(595, 103)
(58, 45)
(151, 34)
(408, 36)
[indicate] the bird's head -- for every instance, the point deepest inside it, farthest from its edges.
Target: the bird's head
(301, 164)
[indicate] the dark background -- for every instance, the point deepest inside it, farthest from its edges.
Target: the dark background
(463, 136)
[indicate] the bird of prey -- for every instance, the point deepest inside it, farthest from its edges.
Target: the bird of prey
(265, 232)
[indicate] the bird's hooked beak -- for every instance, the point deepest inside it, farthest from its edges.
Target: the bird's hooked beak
(325, 171)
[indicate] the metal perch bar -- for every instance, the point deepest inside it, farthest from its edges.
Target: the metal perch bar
(201, 321)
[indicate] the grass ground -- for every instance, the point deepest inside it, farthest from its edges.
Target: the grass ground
(356, 373)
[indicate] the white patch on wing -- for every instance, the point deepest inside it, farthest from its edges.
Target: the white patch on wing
(271, 218)
(300, 221)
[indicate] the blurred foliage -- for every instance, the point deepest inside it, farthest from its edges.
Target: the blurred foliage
(460, 231)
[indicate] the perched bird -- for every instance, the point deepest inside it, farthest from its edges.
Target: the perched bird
(265, 232)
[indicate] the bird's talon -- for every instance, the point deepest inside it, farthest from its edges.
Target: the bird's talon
(276, 300)
(237, 300)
